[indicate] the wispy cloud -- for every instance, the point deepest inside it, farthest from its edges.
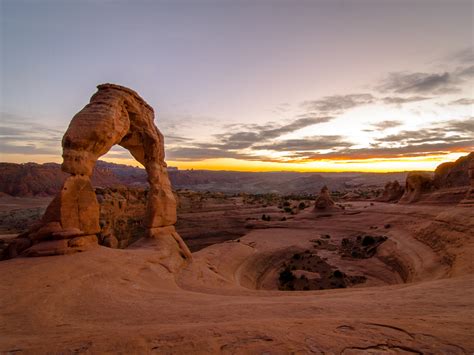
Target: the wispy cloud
(307, 144)
(383, 125)
(399, 100)
(403, 83)
(463, 101)
(338, 103)
(22, 135)
(227, 144)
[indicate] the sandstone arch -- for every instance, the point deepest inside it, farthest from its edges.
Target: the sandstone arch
(114, 115)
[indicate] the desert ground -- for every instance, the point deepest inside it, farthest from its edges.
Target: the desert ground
(411, 293)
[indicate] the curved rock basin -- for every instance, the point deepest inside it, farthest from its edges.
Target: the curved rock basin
(419, 297)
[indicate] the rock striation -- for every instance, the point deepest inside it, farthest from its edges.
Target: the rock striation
(114, 115)
(392, 192)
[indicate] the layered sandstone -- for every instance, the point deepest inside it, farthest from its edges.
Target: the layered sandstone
(114, 115)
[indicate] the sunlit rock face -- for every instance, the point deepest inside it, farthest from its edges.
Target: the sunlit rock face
(114, 115)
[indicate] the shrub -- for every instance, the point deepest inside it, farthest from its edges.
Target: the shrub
(368, 240)
(286, 276)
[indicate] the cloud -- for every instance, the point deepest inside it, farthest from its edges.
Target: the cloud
(337, 103)
(383, 125)
(22, 135)
(390, 152)
(307, 144)
(453, 131)
(228, 144)
(398, 100)
(465, 55)
(262, 133)
(463, 101)
(403, 83)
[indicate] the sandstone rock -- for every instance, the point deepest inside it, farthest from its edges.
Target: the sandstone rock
(163, 233)
(324, 200)
(416, 184)
(46, 231)
(453, 174)
(68, 233)
(110, 241)
(469, 199)
(48, 248)
(115, 115)
(83, 242)
(122, 215)
(392, 192)
(75, 206)
(16, 247)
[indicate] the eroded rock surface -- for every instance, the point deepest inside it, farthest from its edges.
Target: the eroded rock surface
(453, 174)
(114, 115)
(324, 201)
(416, 184)
(469, 199)
(392, 192)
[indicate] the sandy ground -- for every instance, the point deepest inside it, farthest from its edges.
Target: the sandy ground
(418, 297)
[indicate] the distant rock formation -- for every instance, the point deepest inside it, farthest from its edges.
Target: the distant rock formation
(416, 184)
(324, 201)
(451, 183)
(115, 115)
(469, 199)
(453, 174)
(392, 192)
(122, 211)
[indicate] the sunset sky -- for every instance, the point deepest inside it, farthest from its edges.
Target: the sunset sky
(352, 85)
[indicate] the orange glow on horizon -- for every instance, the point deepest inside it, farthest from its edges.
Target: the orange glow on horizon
(377, 165)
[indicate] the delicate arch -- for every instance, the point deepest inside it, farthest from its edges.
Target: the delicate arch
(114, 115)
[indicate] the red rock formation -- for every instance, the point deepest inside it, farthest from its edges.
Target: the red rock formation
(416, 184)
(324, 201)
(469, 199)
(115, 115)
(392, 192)
(453, 174)
(122, 212)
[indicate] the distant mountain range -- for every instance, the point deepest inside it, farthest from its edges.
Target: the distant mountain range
(33, 179)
